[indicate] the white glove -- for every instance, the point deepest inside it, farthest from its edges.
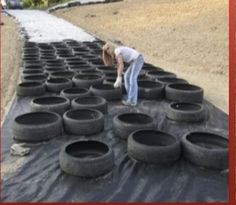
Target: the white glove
(118, 82)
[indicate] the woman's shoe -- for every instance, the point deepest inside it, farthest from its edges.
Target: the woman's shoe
(128, 103)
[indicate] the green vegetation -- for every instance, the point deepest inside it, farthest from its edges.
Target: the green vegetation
(41, 4)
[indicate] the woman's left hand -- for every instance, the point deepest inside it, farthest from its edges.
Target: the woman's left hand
(118, 82)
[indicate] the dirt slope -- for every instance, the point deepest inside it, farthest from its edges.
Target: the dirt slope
(189, 37)
(10, 61)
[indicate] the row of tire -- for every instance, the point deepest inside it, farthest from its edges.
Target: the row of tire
(145, 144)
(41, 73)
(92, 158)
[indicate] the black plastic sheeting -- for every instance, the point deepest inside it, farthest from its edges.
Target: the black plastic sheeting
(40, 178)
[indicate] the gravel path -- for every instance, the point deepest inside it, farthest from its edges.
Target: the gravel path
(44, 27)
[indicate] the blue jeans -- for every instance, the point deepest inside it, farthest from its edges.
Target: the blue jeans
(130, 77)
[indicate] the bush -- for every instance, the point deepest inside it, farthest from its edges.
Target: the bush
(41, 3)
(27, 3)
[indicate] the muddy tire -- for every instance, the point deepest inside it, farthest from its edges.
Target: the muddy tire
(40, 78)
(83, 121)
(106, 91)
(37, 126)
(125, 124)
(206, 150)
(151, 146)
(184, 93)
(62, 74)
(153, 75)
(186, 112)
(168, 80)
(72, 93)
(92, 102)
(86, 158)
(31, 89)
(150, 90)
(85, 81)
(55, 104)
(56, 85)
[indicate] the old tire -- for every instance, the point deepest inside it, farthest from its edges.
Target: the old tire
(150, 90)
(41, 78)
(86, 158)
(85, 81)
(83, 121)
(184, 93)
(92, 102)
(62, 74)
(186, 112)
(72, 93)
(125, 124)
(106, 91)
(30, 89)
(169, 80)
(206, 150)
(57, 84)
(37, 126)
(152, 146)
(51, 103)
(153, 75)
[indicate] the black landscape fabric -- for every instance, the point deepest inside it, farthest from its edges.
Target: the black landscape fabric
(40, 178)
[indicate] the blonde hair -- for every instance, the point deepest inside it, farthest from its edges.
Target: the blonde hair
(108, 54)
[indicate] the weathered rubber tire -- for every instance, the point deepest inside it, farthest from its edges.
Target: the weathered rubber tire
(150, 90)
(30, 89)
(55, 62)
(107, 69)
(63, 56)
(72, 93)
(153, 75)
(83, 121)
(53, 70)
(62, 74)
(37, 126)
(30, 58)
(88, 72)
(77, 64)
(31, 63)
(186, 112)
(74, 59)
(86, 158)
(56, 85)
(206, 150)
(125, 124)
(92, 102)
(111, 81)
(147, 68)
(96, 62)
(106, 91)
(48, 57)
(168, 80)
(111, 76)
(184, 93)
(152, 146)
(85, 81)
(78, 69)
(41, 78)
(31, 72)
(55, 104)
(33, 67)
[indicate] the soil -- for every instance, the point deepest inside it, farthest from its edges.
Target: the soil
(188, 37)
(11, 46)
